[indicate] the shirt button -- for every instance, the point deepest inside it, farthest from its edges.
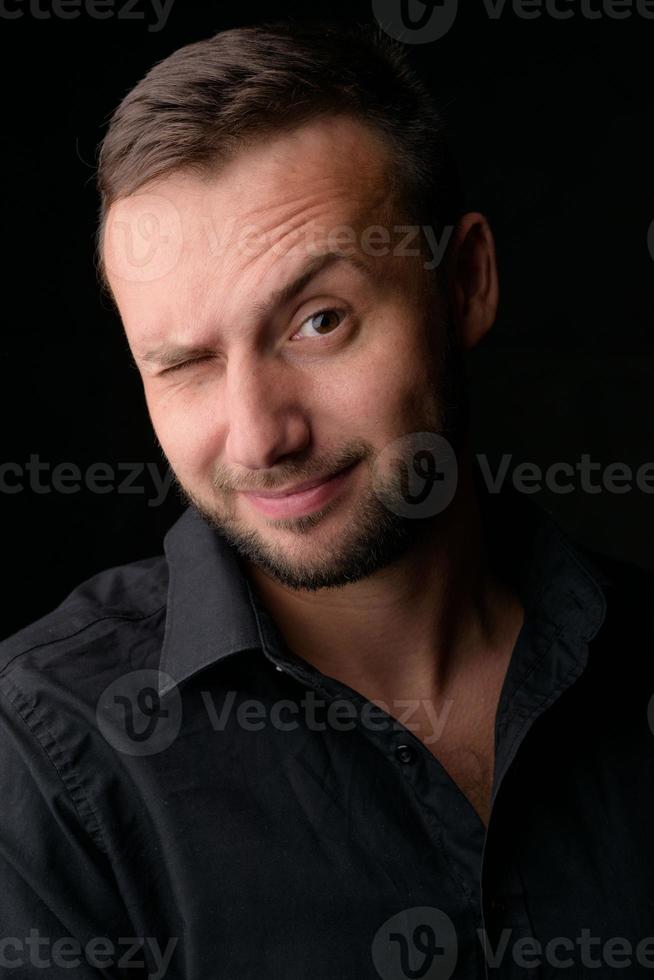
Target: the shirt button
(279, 668)
(405, 753)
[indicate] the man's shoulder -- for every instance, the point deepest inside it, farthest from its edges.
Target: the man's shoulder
(100, 620)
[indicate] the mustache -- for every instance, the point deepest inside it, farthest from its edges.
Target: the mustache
(286, 475)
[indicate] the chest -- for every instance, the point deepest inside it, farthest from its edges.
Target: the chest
(471, 768)
(465, 748)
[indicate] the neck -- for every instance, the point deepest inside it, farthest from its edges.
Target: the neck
(416, 628)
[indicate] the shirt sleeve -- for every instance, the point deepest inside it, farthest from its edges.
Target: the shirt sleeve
(61, 915)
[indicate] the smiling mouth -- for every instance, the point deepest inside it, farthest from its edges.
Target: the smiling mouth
(296, 502)
(299, 488)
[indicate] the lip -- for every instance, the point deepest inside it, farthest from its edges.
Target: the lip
(311, 496)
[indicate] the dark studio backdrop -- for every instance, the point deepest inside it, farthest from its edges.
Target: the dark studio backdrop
(551, 123)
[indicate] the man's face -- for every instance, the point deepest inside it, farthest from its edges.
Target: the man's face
(285, 388)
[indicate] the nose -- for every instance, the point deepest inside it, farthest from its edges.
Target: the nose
(264, 418)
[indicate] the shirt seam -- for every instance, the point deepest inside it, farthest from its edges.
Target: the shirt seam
(70, 636)
(66, 773)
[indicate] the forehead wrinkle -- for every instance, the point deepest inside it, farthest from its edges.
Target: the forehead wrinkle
(287, 196)
(305, 209)
(307, 214)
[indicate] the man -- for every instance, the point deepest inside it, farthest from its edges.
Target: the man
(362, 718)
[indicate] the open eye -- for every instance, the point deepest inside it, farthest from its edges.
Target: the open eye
(327, 321)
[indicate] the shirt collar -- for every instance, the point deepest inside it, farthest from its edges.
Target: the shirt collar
(555, 578)
(213, 612)
(209, 614)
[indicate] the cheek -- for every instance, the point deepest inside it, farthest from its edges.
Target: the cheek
(384, 388)
(189, 435)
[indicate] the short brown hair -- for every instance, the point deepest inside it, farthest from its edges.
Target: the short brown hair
(208, 100)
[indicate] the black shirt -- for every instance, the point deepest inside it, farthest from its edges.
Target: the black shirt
(179, 789)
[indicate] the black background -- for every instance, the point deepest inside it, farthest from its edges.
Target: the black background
(551, 122)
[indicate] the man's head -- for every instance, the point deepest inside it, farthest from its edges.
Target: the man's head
(273, 204)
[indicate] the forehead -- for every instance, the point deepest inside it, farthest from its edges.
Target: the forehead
(342, 151)
(184, 237)
(335, 161)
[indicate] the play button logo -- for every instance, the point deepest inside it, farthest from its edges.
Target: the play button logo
(415, 21)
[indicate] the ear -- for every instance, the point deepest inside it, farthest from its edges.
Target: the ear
(473, 285)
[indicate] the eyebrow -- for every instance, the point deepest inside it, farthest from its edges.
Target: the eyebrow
(167, 355)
